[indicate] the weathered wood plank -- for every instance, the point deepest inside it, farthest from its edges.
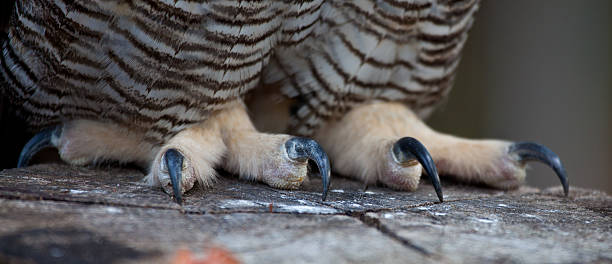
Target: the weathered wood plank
(63, 214)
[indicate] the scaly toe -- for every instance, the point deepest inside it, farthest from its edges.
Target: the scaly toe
(279, 170)
(285, 165)
(400, 176)
(409, 152)
(174, 170)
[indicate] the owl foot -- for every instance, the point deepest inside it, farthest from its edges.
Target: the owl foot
(300, 150)
(188, 158)
(280, 161)
(177, 173)
(352, 145)
(362, 149)
(407, 151)
(84, 142)
(229, 140)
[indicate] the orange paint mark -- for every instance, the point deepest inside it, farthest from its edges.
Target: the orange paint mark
(215, 255)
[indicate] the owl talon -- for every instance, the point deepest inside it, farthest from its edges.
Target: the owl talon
(529, 151)
(302, 149)
(407, 149)
(40, 141)
(174, 163)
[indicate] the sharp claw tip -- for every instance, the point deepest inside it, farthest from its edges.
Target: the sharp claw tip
(38, 142)
(174, 163)
(529, 151)
(410, 148)
(299, 148)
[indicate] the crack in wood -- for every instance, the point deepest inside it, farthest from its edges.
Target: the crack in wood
(375, 223)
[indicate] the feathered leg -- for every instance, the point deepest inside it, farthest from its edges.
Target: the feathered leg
(276, 159)
(83, 142)
(226, 139)
(363, 144)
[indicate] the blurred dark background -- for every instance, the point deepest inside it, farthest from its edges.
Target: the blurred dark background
(531, 71)
(12, 129)
(540, 71)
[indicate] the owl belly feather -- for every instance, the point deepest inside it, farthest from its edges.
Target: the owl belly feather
(366, 51)
(146, 65)
(159, 67)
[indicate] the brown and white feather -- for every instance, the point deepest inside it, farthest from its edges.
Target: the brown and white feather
(158, 67)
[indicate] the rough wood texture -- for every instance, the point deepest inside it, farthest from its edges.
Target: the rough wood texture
(62, 214)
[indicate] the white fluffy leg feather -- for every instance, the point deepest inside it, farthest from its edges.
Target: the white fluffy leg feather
(359, 143)
(84, 142)
(202, 148)
(258, 156)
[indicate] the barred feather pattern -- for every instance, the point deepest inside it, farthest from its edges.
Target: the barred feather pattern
(159, 66)
(360, 51)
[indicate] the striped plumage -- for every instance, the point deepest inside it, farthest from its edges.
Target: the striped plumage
(159, 66)
(360, 51)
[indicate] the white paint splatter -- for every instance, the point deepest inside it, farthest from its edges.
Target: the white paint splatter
(337, 191)
(114, 210)
(305, 209)
(486, 221)
(392, 215)
(502, 205)
(238, 203)
(531, 216)
(77, 191)
(369, 192)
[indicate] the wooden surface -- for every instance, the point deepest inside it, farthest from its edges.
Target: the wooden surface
(63, 214)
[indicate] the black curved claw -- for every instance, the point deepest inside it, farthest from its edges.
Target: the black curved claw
(40, 141)
(528, 151)
(407, 148)
(174, 163)
(304, 148)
